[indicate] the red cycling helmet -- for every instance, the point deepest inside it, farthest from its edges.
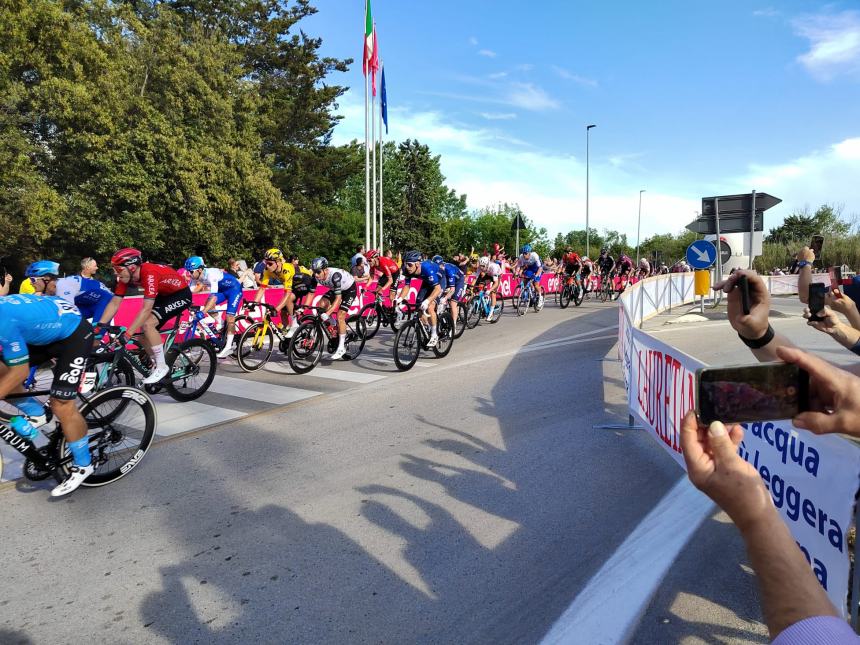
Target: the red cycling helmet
(126, 257)
(372, 253)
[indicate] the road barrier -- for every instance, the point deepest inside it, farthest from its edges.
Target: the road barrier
(812, 479)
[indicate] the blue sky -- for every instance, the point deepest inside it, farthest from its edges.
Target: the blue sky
(690, 99)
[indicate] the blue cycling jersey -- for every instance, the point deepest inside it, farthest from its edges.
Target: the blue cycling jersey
(452, 274)
(90, 296)
(429, 273)
(33, 320)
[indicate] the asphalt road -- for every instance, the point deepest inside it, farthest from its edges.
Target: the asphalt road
(466, 501)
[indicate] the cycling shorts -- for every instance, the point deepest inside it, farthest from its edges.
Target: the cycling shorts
(384, 280)
(347, 297)
(586, 271)
(304, 284)
(423, 293)
(232, 297)
(71, 354)
(570, 269)
(170, 305)
(534, 276)
(459, 289)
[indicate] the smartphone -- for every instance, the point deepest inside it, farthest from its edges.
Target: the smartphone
(816, 299)
(816, 244)
(835, 278)
(744, 286)
(759, 392)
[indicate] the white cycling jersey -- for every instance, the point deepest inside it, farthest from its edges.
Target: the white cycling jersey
(533, 260)
(68, 288)
(338, 280)
(209, 279)
(493, 270)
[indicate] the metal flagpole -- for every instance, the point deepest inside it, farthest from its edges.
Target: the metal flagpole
(366, 167)
(381, 185)
(373, 164)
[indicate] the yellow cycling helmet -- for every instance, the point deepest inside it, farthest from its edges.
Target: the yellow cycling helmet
(274, 254)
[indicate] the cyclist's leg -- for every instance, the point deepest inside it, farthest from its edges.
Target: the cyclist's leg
(165, 309)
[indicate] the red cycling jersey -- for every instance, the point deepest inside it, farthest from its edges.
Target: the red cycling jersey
(571, 258)
(155, 279)
(387, 266)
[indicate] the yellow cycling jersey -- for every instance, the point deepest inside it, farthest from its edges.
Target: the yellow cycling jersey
(285, 275)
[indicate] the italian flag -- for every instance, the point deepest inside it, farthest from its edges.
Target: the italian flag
(367, 63)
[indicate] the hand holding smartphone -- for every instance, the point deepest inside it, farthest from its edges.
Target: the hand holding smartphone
(744, 286)
(759, 392)
(817, 291)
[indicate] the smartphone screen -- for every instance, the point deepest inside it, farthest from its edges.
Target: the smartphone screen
(835, 277)
(816, 297)
(816, 244)
(760, 392)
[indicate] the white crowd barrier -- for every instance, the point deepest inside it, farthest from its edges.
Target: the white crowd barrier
(812, 479)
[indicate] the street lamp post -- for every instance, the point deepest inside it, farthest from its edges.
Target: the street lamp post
(587, 224)
(639, 226)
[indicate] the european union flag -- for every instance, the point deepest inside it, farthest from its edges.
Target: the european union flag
(384, 102)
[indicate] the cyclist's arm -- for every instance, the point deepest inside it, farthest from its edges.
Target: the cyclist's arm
(335, 304)
(435, 293)
(110, 310)
(144, 313)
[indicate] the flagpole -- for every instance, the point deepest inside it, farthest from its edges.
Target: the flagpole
(381, 184)
(366, 168)
(373, 163)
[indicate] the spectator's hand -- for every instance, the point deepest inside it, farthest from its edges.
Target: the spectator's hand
(806, 254)
(834, 395)
(829, 322)
(716, 469)
(840, 303)
(755, 324)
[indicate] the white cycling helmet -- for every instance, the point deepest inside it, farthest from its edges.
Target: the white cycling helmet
(484, 262)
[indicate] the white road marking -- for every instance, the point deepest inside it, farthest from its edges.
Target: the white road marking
(327, 373)
(608, 608)
(175, 417)
(259, 391)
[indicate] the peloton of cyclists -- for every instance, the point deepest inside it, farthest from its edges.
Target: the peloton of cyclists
(416, 267)
(222, 287)
(529, 266)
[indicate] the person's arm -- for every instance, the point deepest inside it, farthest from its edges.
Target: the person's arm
(844, 305)
(756, 325)
(804, 277)
(110, 310)
(789, 590)
(4, 286)
(830, 324)
(142, 315)
(12, 378)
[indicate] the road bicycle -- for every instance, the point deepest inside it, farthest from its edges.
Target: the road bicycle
(480, 306)
(192, 364)
(571, 291)
(257, 341)
(313, 335)
(121, 424)
(414, 335)
(377, 314)
(605, 290)
(203, 326)
(526, 296)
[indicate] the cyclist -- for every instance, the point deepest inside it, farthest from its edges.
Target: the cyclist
(489, 271)
(644, 269)
(430, 289)
(165, 296)
(388, 269)
(222, 287)
(605, 263)
(33, 330)
(571, 265)
(88, 295)
(455, 285)
(304, 289)
(528, 264)
(625, 265)
(276, 268)
(342, 293)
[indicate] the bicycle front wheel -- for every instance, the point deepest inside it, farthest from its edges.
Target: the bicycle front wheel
(192, 369)
(407, 345)
(578, 295)
(473, 312)
(356, 334)
(564, 297)
(255, 347)
(496, 313)
(444, 325)
(306, 347)
(372, 320)
(121, 424)
(461, 320)
(523, 301)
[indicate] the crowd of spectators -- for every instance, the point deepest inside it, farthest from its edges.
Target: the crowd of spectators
(795, 606)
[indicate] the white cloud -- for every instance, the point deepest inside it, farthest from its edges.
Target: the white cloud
(530, 97)
(827, 176)
(834, 40)
(473, 41)
(497, 75)
(498, 116)
(767, 12)
(489, 53)
(524, 67)
(576, 78)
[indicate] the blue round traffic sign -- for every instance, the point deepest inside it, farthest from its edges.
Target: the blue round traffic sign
(701, 254)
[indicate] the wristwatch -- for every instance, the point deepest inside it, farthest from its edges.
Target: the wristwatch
(803, 263)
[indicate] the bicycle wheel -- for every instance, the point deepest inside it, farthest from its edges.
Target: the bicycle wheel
(564, 297)
(192, 369)
(407, 345)
(255, 347)
(578, 294)
(523, 301)
(108, 374)
(461, 320)
(496, 314)
(306, 346)
(356, 335)
(121, 425)
(473, 312)
(444, 323)
(372, 320)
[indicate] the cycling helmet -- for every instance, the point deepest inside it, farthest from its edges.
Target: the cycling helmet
(194, 262)
(604, 251)
(274, 254)
(527, 248)
(127, 257)
(412, 256)
(484, 262)
(438, 259)
(372, 253)
(43, 268)
(318, 264)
